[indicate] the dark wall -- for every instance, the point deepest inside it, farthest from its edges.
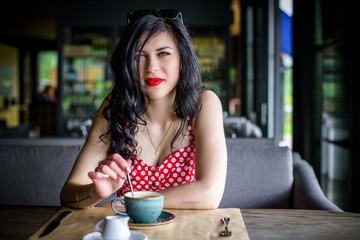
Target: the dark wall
(200, 13)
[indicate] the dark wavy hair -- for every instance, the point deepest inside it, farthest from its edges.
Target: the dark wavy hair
(127, 99)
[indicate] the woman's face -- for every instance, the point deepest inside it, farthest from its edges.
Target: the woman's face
(159, 66)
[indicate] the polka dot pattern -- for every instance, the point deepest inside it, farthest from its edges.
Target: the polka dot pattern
(177, 169)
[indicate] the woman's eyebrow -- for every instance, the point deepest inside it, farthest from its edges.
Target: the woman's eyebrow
(157, 50)
(163, 48)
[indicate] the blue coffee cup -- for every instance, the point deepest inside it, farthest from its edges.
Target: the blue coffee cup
(143, 207)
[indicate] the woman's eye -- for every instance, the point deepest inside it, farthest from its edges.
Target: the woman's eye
(163, 54)
(140, 56)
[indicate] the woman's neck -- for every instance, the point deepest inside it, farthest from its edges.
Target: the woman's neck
(160, 111)
(159, 115)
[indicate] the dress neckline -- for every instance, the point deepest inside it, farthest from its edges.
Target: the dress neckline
(166, 159)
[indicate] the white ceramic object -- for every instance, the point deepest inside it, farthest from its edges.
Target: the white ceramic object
(134, 236)
(114, 228)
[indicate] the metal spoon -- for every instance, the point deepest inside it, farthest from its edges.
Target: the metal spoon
(129, 180)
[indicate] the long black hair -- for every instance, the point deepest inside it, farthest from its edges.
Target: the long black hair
(127, 99)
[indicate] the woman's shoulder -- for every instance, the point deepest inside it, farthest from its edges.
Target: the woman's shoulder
(210, 106)
(209, 97)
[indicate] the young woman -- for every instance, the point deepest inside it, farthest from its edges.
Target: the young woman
(158, 124)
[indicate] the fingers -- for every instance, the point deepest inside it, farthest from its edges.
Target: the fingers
(124, 164)
(103, 187)
(114, 166)
(97, 175)
(112, 169)
(99, 169)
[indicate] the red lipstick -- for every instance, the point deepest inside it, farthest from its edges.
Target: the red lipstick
(154, 81)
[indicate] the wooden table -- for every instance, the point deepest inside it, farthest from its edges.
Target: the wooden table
(20, 222)
(187, 224)
(301, 224)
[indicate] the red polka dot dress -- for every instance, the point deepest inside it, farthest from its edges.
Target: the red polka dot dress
(177, 169)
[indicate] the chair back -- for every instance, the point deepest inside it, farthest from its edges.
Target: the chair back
(258, 175)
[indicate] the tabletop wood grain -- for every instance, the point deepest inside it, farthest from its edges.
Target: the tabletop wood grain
(188, 224)
(301, 224)
(20, 222)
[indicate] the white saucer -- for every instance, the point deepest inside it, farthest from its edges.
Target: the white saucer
(134, 236)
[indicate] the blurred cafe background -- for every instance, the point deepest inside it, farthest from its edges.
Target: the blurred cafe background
(286, 69)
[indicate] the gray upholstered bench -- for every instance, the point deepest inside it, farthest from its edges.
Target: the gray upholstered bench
(267, 176)
(260, 174)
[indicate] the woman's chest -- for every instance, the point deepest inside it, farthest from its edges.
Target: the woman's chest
(154, 149)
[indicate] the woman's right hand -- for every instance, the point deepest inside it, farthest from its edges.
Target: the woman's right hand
(110, 175)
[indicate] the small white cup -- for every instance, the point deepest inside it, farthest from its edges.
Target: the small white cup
(114, 228)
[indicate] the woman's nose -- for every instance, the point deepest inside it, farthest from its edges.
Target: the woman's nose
(152, 64)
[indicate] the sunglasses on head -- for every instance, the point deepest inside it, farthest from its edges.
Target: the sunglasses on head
(162, 13)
